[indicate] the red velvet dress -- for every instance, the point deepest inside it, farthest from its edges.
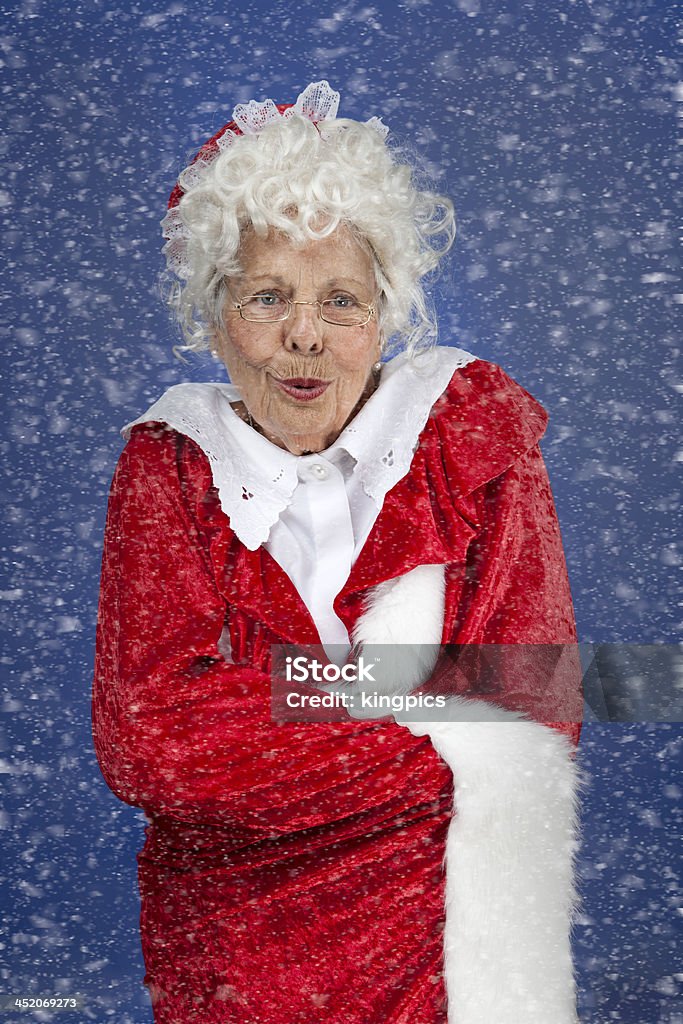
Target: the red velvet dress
(294, 873)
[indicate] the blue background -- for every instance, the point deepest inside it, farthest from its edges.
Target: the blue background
(550, 125)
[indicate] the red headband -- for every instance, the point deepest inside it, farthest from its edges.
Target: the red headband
(211, 149)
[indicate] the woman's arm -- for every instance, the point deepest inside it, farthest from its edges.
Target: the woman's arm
(511, 892)
(517, 596)
(178, 730)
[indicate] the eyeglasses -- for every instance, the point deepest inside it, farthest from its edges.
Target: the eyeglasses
(271, 307)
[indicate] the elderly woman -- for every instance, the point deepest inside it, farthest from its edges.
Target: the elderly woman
(364, 869)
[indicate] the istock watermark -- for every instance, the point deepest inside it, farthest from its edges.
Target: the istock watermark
(303, 669)
(323, 684)
(358, 692)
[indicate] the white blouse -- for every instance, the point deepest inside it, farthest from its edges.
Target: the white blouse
(313, 513)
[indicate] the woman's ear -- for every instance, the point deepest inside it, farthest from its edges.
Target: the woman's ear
(217, 329)
(215, 342)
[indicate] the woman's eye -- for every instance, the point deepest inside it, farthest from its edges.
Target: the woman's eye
(267, 299)
(343, 301)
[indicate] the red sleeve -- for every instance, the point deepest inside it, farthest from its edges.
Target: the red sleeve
(178, 730)
(517, 594)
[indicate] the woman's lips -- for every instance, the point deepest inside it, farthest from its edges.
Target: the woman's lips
(303, 388)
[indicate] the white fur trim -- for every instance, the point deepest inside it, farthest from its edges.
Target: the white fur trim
(406, 615)
(510, 883)
(510, 878)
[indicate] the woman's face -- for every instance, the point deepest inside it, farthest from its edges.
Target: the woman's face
(260, 357)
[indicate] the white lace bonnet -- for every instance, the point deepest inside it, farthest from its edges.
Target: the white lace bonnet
(318, 102)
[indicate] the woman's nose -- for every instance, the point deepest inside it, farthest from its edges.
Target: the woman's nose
(304, 328)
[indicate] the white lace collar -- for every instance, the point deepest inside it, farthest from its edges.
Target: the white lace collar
(254, 491)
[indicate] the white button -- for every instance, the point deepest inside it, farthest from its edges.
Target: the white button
(319, 471)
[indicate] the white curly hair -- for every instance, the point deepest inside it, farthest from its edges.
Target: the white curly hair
(294, 177)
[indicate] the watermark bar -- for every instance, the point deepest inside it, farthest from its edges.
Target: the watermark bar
(464, 682)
